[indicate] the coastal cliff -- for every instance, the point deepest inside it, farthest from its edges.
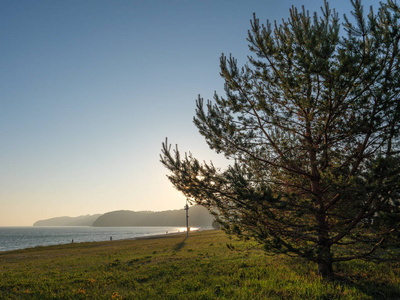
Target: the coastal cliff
(198, 217)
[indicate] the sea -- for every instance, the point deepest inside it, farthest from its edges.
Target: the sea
(14, 238)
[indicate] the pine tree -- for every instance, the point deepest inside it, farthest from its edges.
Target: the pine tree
(311, 125)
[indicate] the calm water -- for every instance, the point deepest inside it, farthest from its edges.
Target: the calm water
(12, 238)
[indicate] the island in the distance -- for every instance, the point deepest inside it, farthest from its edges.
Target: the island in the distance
(198, 217)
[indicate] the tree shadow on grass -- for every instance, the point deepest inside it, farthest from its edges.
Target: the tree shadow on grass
(356, 276)
(180, 245)
(377, 290)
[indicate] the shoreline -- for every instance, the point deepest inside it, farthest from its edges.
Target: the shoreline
(160, 236)
(112, 239)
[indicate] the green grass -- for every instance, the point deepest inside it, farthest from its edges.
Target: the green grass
(173, 267)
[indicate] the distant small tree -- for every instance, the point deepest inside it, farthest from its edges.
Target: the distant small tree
(312, 127)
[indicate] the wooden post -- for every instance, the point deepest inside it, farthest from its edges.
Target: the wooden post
(187, 219)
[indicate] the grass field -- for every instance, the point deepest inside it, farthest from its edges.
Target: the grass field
(207, 265)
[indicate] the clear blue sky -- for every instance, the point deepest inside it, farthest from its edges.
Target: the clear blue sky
(90, 89)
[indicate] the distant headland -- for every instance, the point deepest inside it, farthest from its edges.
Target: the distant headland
(198, 217)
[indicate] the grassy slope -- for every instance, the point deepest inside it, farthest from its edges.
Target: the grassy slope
(200, 267)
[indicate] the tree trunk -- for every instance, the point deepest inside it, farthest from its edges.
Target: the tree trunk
(324, 255)
(324, 261)
(325, 269)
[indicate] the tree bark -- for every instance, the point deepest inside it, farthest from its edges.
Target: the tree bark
(325, 269)
(324, 261)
